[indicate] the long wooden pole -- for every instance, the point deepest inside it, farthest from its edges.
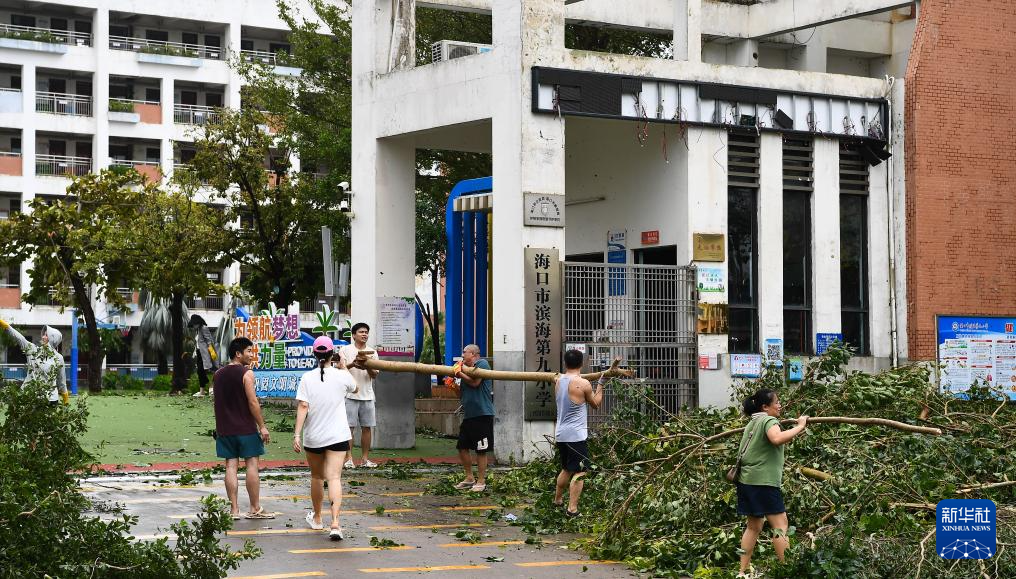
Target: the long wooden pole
(363, 362)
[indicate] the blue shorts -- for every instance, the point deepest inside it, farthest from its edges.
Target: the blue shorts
(759, 500)
(239, 445)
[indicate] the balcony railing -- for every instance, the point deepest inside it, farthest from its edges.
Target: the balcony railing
(194, 114)
(205, 303)
(63, 104)
(166, 48)
(50, 35)
(60, 166)
(266, 57)
(152, 170)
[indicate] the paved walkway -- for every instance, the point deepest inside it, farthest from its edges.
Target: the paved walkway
(422, 525)
(265, 464)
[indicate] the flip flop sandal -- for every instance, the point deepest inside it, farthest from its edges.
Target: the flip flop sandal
(260, 514)
(478, 488)
(237, 516)
(465, 485)
(571, 514)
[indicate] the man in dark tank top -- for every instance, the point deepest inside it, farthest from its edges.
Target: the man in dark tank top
(240, 430)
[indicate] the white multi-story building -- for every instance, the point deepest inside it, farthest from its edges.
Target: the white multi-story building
(88, 84)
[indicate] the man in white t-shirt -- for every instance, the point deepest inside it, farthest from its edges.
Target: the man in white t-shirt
(360, 405)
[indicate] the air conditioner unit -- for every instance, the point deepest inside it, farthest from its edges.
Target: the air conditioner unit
(449, 49)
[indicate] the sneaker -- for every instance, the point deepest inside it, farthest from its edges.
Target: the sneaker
(199, 394)
(312, 524)
(336, 535)
(349, 464)
(369, 464)
(466, 484)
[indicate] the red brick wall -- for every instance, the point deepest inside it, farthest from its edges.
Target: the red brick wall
(960, 118)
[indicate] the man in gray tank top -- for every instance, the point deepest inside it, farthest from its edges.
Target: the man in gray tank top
(573, 393)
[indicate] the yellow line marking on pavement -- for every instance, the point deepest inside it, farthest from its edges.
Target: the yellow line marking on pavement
(418, 569)
(350, 550)
(481, 544)
(468, 508)
(559, 563)
(154, 537)
(407, 527)
(416, 494)
(283, 575)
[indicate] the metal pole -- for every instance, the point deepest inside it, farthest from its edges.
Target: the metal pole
(74, 352)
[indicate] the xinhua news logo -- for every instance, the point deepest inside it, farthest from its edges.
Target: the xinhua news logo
(965, 529)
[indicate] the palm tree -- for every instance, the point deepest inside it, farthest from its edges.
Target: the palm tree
(157, 329)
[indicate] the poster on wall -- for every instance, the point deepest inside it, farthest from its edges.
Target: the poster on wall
(617, 252)
(712, 318)
(396, 321)
(710, 279)
(774, 352)
(824, 340)
(745, 365)
(282, 353)
(976, 350)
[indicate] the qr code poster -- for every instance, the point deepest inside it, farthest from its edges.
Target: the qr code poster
(774, 352)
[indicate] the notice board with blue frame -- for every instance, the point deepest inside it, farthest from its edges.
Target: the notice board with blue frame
(976, 349)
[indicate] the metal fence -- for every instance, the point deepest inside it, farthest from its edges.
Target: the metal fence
(644, 314)
(194, 114)
(50, 35)
(63, 104)
(60, 166)
(259, 56)
(166, 48)
(145, 372)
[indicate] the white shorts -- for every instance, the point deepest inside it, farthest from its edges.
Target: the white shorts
(360, 413)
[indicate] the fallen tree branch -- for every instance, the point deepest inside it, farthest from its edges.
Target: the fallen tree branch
(815, 474)
(363, 362)
(1007, 483)
(841, 420)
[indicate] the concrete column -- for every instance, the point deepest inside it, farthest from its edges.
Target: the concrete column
(825, 235)
(707, 213)
(528, 156)
(168, 99)
(879, 312)
(743, 52)
(811, 57)
(28, 133)
(100, 84)
(233, 37)
(688, 30)
(770, 233)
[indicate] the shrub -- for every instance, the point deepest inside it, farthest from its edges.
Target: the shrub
(46, 527)
(116, 381)
(162, 383)
(119, 106)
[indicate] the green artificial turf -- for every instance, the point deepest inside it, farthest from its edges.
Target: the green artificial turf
(150, 428)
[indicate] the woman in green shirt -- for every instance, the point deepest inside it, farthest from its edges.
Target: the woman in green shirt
(758, 486)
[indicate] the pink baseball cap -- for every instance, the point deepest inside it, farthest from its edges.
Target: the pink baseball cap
(323, 345)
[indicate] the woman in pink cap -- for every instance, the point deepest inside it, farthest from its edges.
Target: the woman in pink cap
(321, 417)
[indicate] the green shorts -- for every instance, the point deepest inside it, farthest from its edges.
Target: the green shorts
(239, 445)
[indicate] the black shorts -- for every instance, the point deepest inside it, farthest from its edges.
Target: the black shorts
(574, 456)
(759, 500)
(476, 434)
(337, 447)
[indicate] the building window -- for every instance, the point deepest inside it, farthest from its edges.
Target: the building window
(742, 241)
(797, 291)
(854, 251)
